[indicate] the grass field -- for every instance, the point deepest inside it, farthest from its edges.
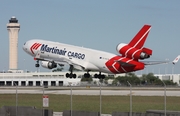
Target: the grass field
(60, 103)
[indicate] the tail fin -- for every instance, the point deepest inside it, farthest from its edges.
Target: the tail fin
(140, 38)
(176, 59)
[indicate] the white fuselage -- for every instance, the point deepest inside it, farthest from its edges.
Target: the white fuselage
(86, 58)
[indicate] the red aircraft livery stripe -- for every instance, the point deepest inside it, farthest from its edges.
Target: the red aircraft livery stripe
(116, 67)
(140, 38)
(35, 46)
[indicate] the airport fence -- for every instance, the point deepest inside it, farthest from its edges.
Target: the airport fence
(24, 111)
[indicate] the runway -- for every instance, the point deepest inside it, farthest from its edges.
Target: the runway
(67, 91)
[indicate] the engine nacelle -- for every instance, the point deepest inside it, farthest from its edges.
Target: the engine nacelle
(48, 64)
(132, 52)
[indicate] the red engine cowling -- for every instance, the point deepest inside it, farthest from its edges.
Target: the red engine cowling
(132, 52)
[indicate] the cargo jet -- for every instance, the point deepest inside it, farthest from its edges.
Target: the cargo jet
(128, 60)
(176, 59)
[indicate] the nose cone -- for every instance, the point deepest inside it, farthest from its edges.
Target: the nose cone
(25, 47)
(32, 47)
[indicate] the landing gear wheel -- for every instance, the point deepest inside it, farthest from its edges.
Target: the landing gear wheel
(96, 76)
(86, 75)
(37, 64)
(99, 76)
(74, 76)
(70, 75)
(102, 76)
(67, 75)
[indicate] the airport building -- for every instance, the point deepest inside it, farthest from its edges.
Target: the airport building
(59, 78)
(36, 79)
(43, 78)
(173, 77)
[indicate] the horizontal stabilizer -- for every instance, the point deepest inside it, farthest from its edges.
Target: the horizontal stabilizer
(155, 62)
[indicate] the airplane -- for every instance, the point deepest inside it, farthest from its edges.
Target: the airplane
(176, 59)
(129, 58)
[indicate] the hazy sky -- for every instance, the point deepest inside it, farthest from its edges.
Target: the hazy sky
(97, 24)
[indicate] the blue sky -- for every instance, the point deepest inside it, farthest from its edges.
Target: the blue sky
(97, 24)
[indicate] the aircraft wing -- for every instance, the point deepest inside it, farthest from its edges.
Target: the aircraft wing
(63, 61)
(80, 65)
(75, 65)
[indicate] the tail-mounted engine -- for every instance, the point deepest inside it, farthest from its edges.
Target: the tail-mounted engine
(48, 64)
(133, 53)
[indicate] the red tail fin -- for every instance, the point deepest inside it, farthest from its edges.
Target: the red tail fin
(140, 38)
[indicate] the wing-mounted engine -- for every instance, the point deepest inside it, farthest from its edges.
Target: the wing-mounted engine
(48, 64)
(132, 52)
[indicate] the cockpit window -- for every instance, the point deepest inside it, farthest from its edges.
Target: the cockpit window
(25, 43)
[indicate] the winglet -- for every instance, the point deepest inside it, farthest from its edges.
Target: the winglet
(140, 37)
(176, 59)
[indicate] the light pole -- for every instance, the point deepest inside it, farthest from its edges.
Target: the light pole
(3, 74)
(166, 68)
(172, 70)
(24, 65)
(42, 86)
(164, 98)
(100, 97)
(130, 98)
(16, 98)
(71, 96)
(43, 96)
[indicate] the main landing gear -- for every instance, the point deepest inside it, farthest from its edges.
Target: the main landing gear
(86, 75)
(99, 76)
(71, 75)
(37, 65)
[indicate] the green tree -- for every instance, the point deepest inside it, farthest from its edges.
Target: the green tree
(115, 82)
(130, 77)
(169, 82)
(87, 79)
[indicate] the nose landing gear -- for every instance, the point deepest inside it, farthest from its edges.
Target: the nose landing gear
(37, 65)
